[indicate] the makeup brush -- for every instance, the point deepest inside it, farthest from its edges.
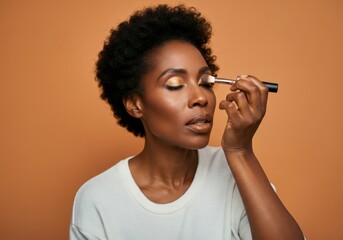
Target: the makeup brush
(272, 87)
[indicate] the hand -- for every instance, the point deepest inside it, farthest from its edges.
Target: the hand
(245, 107)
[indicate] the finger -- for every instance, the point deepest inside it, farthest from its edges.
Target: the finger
(231, 111)
(263, 89)
(250, 89)
(241, 101)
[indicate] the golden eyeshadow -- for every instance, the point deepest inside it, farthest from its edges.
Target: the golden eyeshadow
(174, 82)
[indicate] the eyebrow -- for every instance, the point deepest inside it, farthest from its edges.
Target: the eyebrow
(204, 70)
(183, 71)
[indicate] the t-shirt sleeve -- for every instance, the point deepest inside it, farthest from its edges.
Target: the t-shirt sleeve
(86, 222)
(244, 229)
(240, 227)
(76, 233)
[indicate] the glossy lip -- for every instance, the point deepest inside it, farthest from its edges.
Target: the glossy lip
(201, 123)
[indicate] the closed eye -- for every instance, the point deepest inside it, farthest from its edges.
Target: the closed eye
(174, 83)
(206, 85)
(173, 88)
(203, 83)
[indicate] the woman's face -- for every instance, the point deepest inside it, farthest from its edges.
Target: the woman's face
(176, 110)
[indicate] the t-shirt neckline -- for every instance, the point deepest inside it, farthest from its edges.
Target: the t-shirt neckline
(167, 208)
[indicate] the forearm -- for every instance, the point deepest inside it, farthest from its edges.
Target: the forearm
(268, 217)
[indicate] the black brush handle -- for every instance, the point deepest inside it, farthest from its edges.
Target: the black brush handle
(272, 87)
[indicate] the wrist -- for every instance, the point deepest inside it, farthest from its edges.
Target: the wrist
(239, 153)
(232, 149)
(237, 147)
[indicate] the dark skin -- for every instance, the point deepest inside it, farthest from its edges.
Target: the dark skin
(172, 98)
(178, 121)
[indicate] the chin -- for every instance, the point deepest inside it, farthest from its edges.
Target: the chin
(197, 143)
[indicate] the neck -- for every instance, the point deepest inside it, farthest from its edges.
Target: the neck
(167, 165)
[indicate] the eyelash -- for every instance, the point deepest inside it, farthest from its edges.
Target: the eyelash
(206, 85)
(173, 88)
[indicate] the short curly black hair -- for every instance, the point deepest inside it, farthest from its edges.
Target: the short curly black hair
(124, 58)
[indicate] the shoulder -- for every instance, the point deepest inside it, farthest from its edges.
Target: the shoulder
(215, 157)
(217, 168)
(95, 198)
(213, 152)
(96, 191)
(220, 172)
(101, 182)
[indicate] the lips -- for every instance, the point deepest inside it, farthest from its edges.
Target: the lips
(200, 123)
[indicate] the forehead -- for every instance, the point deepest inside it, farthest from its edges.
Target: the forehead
(177, 54)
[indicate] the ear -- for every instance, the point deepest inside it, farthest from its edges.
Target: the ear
(133, 105)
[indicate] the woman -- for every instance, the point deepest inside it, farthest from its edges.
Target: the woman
(178, 188)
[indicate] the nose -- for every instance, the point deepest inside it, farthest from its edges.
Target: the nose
(197, 96)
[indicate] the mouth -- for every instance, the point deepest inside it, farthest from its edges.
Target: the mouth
(200, 124)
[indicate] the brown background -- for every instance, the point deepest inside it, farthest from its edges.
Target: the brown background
(56, 132)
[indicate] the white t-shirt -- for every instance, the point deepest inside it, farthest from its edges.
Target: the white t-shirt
(111, 206)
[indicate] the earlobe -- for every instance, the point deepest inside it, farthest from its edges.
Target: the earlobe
(133, 106)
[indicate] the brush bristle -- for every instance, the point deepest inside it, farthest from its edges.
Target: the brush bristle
(207, 79)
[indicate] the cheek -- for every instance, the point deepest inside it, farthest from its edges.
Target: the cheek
(212, 101)
(164, 110)
(167, 105)
(164, 119)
